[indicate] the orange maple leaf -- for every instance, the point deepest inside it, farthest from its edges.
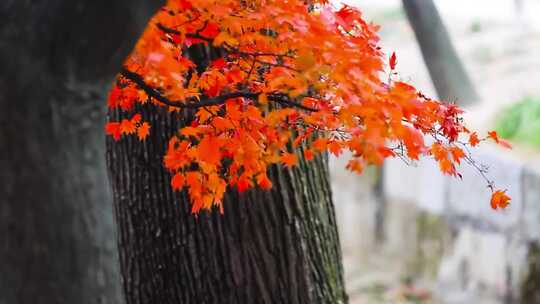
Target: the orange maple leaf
(136, 118)
(473, 139)
(143, 130)
(335, 148)
(320, 144)
(457, 154)
(114, 96)
(178, 181)
(263, 181)
(289, 159)
(127, 127)
(355, 166)
(113, 129)
(493, 135)
(209, 150)
(243, 184)
(308, 154)
(499, 199)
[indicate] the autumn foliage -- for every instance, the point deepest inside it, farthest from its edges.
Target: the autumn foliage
(285, 79)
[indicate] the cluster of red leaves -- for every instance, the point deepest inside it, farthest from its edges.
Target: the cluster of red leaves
(287, 75)
(127, 127)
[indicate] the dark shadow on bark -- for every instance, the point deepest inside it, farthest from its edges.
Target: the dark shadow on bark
(57, 59)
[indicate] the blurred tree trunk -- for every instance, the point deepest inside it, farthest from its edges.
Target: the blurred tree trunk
(57, 58)
(380, 207)
(445, 68)
(519, 7)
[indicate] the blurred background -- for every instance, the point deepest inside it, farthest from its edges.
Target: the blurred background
(410, 235)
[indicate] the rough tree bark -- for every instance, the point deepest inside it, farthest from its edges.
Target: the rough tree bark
(278, 246)
(445, 68)
(57, 58)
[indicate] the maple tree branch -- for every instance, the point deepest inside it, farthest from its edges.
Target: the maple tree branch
(231, 49)
(167, 30)
(284, 99)
(202, 28)
(251, 69)
(277, 65)
(256, 54)
(193, 103)
(196, 35)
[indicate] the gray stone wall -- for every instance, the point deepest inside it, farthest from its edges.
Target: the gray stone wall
(486, 258)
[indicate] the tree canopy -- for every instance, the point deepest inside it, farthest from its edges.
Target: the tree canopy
(286, 77)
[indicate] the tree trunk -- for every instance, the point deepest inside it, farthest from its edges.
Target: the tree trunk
(56, 227)
(530, 282)
(445, 68)
(519, 7)
(278, 246)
